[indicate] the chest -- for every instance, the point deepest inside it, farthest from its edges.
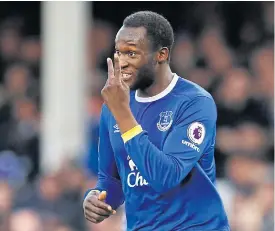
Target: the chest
(157, 120)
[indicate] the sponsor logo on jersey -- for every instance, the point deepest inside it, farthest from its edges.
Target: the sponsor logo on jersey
(134, 179)
(116, 128)
(196, 133)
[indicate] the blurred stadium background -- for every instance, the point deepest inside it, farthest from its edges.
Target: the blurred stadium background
(53, 66)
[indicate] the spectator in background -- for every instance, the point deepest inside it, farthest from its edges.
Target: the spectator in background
(183, 55)
(235, 102)
(268, 20)
(13, 169)
(249, 197)
(30, 53)
(6, 204)
(100, 42)
(25, 220)
(56, 197)
(215, 52)
(262, 66)
(19, 116)
(10, 39)
(18, 83)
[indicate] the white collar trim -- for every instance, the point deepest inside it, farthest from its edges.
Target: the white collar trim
(165, 92)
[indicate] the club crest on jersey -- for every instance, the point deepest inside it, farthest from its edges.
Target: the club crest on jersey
(196, 132)
(165, 121)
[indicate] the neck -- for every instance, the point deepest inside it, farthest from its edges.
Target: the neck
(163, 79)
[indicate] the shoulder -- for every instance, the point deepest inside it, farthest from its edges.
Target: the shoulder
(189, 91)
(132, 96)
(194, 101)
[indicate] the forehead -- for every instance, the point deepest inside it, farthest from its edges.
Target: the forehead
(135, 36)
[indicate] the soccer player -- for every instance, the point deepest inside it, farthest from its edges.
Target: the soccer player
(157, 138)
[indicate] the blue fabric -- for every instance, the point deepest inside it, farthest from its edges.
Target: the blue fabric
(166, 173)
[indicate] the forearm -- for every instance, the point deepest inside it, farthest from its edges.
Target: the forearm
(162, 170)
(125, 119)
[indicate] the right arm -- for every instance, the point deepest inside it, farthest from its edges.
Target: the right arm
(108, 177)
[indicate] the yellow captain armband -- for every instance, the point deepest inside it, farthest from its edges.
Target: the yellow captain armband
(131, 133)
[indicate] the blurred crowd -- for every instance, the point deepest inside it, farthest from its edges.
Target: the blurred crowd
(239, 75)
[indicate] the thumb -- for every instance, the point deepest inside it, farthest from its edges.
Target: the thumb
(102, 196)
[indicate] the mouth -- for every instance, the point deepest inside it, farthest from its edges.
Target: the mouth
(126, 77)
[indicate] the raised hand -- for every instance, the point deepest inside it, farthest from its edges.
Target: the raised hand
(115, 92)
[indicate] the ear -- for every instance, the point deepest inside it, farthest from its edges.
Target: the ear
(163, 55)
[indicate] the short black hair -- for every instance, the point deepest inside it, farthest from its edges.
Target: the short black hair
(159, 30)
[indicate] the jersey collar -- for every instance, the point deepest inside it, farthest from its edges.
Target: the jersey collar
(161, 94)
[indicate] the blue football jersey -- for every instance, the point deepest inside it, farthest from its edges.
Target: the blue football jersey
(165, 175)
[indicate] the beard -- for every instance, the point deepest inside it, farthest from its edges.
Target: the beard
(145, 77)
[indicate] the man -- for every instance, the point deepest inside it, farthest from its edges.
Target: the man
(156, 149)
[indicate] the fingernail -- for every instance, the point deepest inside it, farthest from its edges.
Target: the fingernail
(114, 212)
(109, 208)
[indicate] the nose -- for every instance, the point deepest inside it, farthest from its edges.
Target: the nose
(123, 61)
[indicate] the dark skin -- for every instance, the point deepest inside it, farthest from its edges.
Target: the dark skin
(95, 209)
(134, 54)
(116, 91)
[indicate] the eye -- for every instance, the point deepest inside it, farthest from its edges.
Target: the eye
(118, 52)
(132, 54)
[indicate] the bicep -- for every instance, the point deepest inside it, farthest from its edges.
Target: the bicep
(192, 136)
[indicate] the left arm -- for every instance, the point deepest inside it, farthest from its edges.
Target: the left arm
(165, 169)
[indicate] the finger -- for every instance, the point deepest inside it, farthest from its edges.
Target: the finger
(91, 219)
(111, 72)
(88, 217)
(100, 204)
(99, 211)
(125, 86)
(117, 68)
(102, 196)
(94, 217)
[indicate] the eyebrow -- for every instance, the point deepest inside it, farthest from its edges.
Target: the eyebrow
(131, 43)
